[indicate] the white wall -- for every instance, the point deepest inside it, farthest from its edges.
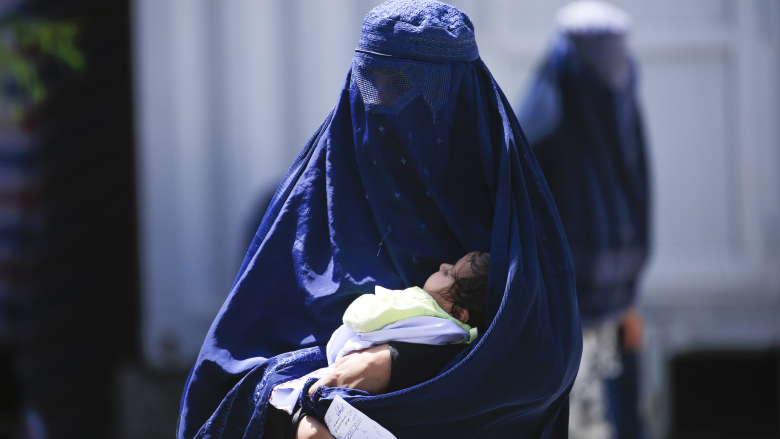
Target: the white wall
(228, 92)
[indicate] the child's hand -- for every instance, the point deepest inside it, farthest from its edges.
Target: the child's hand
(367, 370)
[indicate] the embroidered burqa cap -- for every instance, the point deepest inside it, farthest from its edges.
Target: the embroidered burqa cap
(584, 123)
(421, 161)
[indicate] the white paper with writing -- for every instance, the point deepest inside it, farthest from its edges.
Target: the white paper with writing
(347, 422)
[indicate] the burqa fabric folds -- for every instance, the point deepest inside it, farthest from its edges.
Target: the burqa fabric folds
(584, 126)
(421, 161)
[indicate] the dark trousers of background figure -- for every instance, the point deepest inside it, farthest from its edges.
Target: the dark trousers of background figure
(623, 396)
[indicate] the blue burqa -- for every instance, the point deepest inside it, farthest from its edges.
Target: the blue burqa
(421, 161)
(583, 122)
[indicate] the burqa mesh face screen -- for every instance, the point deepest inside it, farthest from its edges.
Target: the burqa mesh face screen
(388, 86)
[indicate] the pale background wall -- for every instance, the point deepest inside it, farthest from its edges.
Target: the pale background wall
(229, 91)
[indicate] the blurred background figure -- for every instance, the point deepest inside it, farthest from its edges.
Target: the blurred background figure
(582, 118)
(68, 289)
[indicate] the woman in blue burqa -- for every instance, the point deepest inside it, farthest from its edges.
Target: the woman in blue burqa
(421, 161)
(583, 121)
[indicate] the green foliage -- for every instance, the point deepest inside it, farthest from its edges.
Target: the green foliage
(23, 43)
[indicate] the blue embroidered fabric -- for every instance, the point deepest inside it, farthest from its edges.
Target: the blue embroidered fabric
(382, 194)
(588, 139)
(419, 31)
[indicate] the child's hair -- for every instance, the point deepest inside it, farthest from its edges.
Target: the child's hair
(469, 292)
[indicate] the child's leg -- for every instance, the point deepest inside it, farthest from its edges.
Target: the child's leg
(311, 428)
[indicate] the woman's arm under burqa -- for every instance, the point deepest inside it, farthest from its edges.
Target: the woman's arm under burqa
(381, 369)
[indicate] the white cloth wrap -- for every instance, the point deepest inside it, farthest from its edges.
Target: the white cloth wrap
(420, 330)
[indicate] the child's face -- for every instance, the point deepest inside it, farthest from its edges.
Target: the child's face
(439, 283)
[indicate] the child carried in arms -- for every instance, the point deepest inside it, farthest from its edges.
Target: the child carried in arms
(443, 316)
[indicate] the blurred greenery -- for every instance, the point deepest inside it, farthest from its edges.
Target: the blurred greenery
(24, 43)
